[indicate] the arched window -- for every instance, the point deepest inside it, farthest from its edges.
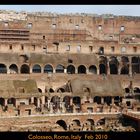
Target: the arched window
(102, 69)
(81, 69)
(60, 69)
(25, 69)
(48, 69)
(62, 124)
(36, 69)
(13, 68)
(93, 69)
(3, 68)
(70, 69)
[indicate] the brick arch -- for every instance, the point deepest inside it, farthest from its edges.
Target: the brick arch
(48, 68)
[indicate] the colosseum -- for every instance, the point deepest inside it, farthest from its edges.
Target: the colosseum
(69, 72)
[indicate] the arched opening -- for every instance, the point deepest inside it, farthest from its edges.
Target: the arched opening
(101, 122)
(67, 99)
(107, 100)
(48, 69)
(136, 90)
(77, 100)
(51, 90)
(81, 69)
(3, 68)
(76, 122)
(25, 69)
(127, 90)
(113, 64)
(97, 99)
(101, 50)
(59, 69)
(56, 103)
(116, 100)
(91, 122)
(113, 69)
(13, 69)
(39, 90)
(125, 70)
(12, 101)
(70, 69)
(61, 90)
(36, 69)
(93, 69)
(62, 124)
(135, 65)
(2, 101)
(102, 69)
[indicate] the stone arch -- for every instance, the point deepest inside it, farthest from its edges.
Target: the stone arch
(113, 64)
(127, 90)
(39, 90)
(12, 101)
(136, 90)
(101, 50)
(3, 68)
(76, 122)
(102, 69)
(61, 90)
(36, 68)
(13, 68)
(97, 99)
(60, 68)
(93, 69)
(2, 101)
(56, 102)
(101, 121)
(67, 100)
(89, 124)
(116, 100)
(70, 69)
(135, 65)
(76, 100)
(24, 69)
(108, 100)
(51, 90)
(81, 69)
(62, 123)
(125, 70)
(48, 68)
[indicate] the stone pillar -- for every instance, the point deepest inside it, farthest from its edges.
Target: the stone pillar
(87, 71)
(98, 72)
(6, 102)
(119, 70)
(65, 70)
(32, 100)
(8, 71)
(112, 100)
(71, 101)
(42, 70)
(54, 71)
(130, 66)
(43, 99)
(49, 103)
(38, 102)
(63, 107)
(31, 70)
(102, 100)
(51, 107)
(76, 70)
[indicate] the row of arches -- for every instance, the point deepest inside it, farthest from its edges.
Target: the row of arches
(25, 69)
(134, 90)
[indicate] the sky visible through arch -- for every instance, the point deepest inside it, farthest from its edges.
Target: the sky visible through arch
(128, 10)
